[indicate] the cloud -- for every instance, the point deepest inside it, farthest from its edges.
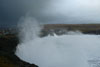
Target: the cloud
(51, 11)
(73, 11)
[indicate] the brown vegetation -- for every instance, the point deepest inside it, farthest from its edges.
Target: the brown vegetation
(85, 28)
(81, 27)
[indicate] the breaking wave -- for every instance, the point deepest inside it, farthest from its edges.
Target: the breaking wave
(70, 50)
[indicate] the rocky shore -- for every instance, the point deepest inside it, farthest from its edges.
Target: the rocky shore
(7, 53)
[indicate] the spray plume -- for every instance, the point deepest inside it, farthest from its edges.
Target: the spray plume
(29, 28)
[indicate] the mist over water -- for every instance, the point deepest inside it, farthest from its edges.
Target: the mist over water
(29, 28)
(69, 50)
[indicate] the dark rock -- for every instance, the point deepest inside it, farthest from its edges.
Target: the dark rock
(7, 54)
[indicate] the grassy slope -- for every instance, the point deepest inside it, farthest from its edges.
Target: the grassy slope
(81, 27)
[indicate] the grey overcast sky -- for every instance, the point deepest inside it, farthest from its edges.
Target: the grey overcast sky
(50, 11)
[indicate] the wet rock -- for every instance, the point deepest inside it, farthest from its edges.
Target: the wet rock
(7, 54)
